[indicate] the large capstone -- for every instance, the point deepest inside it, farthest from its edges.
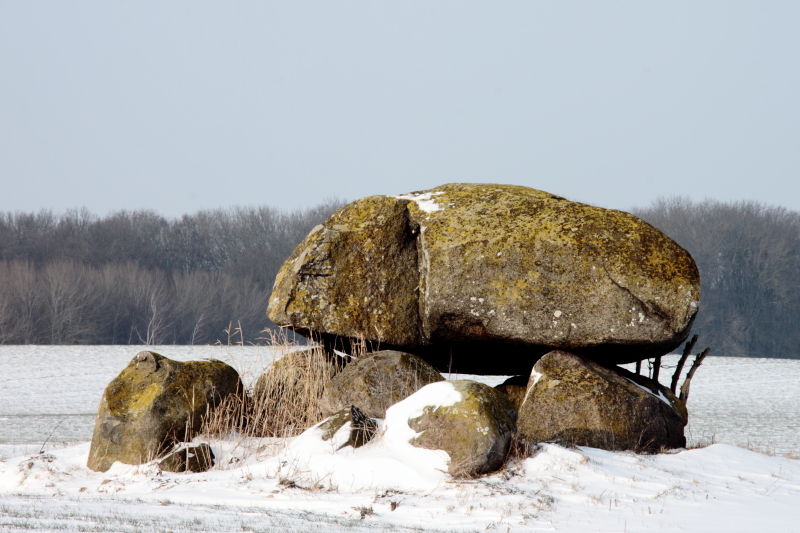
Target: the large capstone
(486, 278)
(155, 403)
(574, 400)
(377, 381)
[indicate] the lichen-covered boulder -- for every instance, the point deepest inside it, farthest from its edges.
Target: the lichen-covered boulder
(155, 403)
(189, 458)
(463, 270)
(376, 381)
(475, 429)
(573, 399)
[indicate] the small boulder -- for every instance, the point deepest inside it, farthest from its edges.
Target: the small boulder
(361, 428)
(573, 399)
(377, 381)
(474, 430)
(155, 403)
(190, 458)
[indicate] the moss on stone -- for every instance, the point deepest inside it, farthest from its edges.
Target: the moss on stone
(354, 276)
(527, 266)
(490, 263)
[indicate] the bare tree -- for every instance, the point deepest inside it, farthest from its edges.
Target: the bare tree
(6, 304)
(69, 302)
(28, 304)
(137, 277)
(748, 255)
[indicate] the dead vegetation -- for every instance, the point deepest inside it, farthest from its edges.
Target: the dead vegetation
(283, 402)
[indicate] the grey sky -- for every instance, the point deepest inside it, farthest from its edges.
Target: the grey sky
(187, 105)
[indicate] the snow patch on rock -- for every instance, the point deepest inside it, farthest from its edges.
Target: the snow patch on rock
(424, 201)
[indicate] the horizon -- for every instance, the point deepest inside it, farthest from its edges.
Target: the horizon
(345, 201)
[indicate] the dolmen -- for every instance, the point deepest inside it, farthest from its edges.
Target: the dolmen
(498, 280)
(463, 278)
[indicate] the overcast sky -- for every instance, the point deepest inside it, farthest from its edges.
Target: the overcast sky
(179, 106)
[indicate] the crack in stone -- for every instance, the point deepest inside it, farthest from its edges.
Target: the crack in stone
(650, 309)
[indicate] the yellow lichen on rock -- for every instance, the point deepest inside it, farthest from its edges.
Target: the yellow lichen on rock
(504, 265)
(154, 403)
(514, 263)
(573, 399)
(475, 431)
(355, 276)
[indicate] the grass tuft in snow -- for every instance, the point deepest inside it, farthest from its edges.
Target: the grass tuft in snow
(283, 402)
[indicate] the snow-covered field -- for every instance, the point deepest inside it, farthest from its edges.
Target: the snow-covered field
(268, 485)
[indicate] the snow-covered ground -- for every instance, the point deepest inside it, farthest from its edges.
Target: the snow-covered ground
(276, 487)
(303, 485)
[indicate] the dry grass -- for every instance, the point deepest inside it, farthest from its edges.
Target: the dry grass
(284, 401)
(520, 448)
(286, 398)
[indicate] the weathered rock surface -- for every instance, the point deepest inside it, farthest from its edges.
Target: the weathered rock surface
(354, 276)
(514, 389)
(377, 381)
(155, 403)
(475, 431)
(465, 270)
(514, 393)
(191, 458)
(573, 399)
(361, 428)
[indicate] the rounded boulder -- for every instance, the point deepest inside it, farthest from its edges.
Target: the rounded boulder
(376, 381)
(575, 400)
(155, 403)
(475, 430)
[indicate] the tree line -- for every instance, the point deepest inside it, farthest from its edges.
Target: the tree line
(135, 277)
(748, 254)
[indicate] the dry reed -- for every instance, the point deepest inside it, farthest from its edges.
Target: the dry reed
(284, 400)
